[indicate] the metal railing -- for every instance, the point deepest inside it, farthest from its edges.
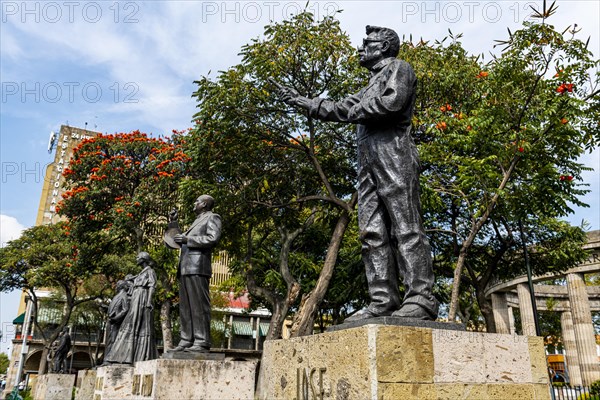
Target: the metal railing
(571, 393)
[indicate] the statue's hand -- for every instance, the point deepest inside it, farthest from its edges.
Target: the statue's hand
(289, 95)
(173, 215)
(179, 238)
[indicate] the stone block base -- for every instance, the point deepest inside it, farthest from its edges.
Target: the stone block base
(54, 387)
(398, 362)
(168, 379)
(113, 382)
(86, 383)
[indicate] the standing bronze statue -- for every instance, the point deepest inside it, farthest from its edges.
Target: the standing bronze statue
(61, 352)
(117, 311)
(135, 340)
(389, 210)
(194, 272)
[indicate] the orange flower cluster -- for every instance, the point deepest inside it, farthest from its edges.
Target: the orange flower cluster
(519, 145)
(441, 126)
(482, 74)
(564, 88)
(564, 121)
(165, 174)
(95, 177)
(445, 108)
(181, 156)
(73, 192)
(159, 150)
(566, 178)
(163, 164)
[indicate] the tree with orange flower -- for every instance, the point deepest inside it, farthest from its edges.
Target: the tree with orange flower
(505, 152)
(121, 187)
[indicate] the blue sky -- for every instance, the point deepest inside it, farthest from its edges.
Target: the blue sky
(128, 65)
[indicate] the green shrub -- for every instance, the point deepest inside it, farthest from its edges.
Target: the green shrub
(587, 396)
(595, 388)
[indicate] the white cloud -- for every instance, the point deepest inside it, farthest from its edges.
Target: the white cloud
(10, 229)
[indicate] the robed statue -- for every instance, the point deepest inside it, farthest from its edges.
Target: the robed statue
(135, 340)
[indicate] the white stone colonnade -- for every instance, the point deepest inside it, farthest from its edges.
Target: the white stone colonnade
(575, 302)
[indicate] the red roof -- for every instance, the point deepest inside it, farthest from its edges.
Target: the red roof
(238, 302)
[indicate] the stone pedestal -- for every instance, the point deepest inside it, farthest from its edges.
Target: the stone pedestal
(54, 387)
(168, 379)
(398, 362)
(113, 382)
(86, 383)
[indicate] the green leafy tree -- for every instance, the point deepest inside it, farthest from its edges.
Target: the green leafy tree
(46, 257)
(4, 363)
(278, 174)
(499, 145)
(121, 188)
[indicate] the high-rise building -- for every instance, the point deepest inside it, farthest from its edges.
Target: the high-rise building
(67, 139)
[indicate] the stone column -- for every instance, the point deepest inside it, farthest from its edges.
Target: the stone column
(585, 338)
(500, 311)
(568, 339)
(511, 321)
(527, 319)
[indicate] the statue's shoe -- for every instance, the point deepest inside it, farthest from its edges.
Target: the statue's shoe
(365, 313)
(178, 349)
(197, 349)
(414, 311)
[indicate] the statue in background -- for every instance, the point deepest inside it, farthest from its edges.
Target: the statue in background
(135, 339)
(389, 208)
(194, 272)
(61, 352)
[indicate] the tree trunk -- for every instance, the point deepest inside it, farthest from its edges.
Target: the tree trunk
(277, 320)
(485, 307)
(309, 306)
(43, 362)
(165, 324)
(477, 225)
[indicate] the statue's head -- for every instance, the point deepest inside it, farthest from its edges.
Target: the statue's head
(143, 258)
(123, 285)
(380, 43)
(204, 203)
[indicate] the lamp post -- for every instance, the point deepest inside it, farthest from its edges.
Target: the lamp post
(24, 348)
